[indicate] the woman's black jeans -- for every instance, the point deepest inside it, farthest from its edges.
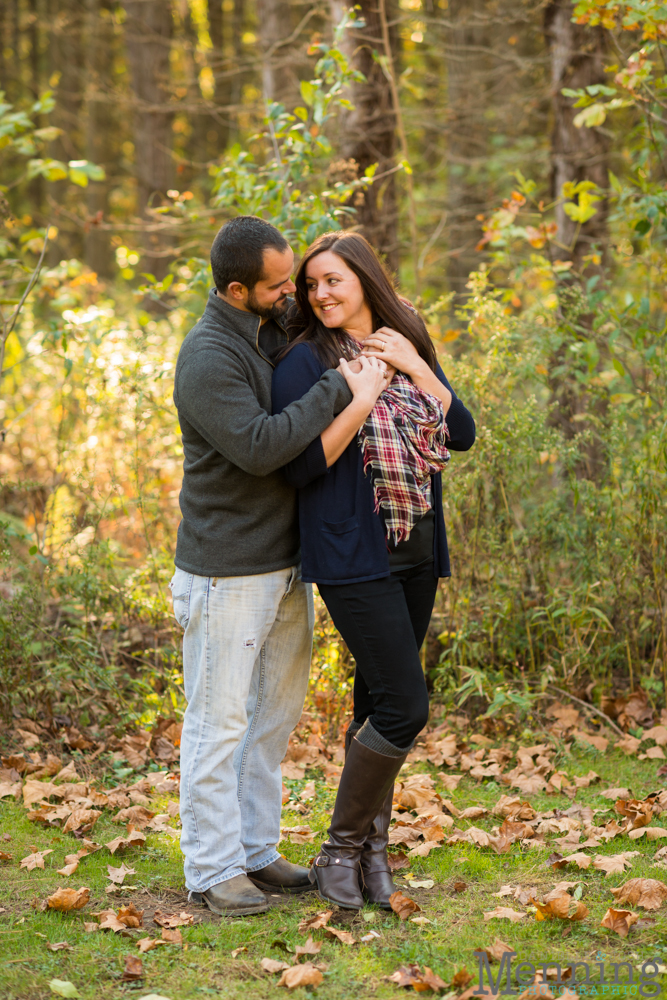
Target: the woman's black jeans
(384, 623)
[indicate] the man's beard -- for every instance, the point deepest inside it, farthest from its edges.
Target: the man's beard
(275, 311)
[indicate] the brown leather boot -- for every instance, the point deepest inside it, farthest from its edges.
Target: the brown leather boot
(364, 785)
(377, 884)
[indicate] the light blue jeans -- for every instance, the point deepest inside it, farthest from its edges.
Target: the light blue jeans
(246, 657)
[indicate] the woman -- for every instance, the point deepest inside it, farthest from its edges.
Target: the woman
(378, 585)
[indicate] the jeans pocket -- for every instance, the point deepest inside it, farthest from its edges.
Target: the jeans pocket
(181, 588)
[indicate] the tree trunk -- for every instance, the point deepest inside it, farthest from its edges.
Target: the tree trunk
(368, 134)
(467, 136)
(66, 58)
(577, 154)
(279, 81)
(148, 34)
(100, 129)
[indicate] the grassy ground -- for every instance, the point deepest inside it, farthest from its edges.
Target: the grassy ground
(205, 966)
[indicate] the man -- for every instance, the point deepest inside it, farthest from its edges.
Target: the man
(237, 592)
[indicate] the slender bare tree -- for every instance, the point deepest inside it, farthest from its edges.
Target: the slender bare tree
(148, 36)
(577, 154)
(100, 129)
(368, 134)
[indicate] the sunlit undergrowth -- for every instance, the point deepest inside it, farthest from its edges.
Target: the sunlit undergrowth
(558, 555)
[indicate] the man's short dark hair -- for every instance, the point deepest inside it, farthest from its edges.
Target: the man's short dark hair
(238, 249)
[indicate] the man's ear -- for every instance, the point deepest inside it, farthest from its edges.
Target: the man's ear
(236, 290)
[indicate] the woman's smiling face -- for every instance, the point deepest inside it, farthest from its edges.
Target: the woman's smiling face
(335, 294)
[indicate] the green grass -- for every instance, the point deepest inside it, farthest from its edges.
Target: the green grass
(205, 967)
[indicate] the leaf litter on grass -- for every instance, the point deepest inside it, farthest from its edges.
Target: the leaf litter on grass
(427, 818)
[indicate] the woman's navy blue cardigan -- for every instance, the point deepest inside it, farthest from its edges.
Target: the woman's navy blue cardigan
(342, 538)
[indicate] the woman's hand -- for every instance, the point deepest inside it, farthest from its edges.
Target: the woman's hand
(396, 350)
(366, 378)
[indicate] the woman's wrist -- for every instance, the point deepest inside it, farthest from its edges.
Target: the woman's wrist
(419, 369)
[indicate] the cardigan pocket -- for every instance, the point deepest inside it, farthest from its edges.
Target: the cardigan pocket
(338, 543)
(340, 527)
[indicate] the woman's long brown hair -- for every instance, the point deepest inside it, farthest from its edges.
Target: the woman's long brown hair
(331, 344)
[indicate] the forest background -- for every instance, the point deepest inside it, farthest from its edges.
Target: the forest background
(508, 159)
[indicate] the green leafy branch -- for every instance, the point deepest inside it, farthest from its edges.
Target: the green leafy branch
(291, 180)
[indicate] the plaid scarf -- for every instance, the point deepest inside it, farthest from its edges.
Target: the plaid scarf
(403, 444)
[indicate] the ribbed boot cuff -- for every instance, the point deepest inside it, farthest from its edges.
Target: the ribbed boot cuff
(372, 739)
(354, 727)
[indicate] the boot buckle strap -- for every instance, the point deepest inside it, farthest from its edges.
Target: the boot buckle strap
(321, 861)
(375, 869)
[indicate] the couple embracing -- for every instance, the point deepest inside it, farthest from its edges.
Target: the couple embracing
(316, 422)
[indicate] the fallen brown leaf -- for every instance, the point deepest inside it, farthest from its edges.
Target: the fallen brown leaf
(411, 975)
(562, 906)
(172, 935)
(134, 969)
(35, 860)
(613, 864)
(297, 834)
(68, 773)
(397, 861)
(10, 789)
(616, 793)
(473, 812)
(110, 922)
(650, 832)
(300, 975)
(271, 965)
(138, 816)
(460, 979)
(599, 742)
(460, 886)
(60, 946)
(343, 936)
(648, 893)
(69, 869)
(619, 921)
(512, 807)
(81, 819)
(134, 838)
(402, 905)
(449, 781)
(173, 919)
(317, 922)
(236, 951)
(504, 913)
(130, 916)
(147, 944)
(309, 948)
(638, 811)
(65, 900)
(423, 850)
(496, 951)
(90, 928)
(580, 859)
(117, 875)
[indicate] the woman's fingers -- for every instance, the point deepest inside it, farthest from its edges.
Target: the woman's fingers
(368, 381)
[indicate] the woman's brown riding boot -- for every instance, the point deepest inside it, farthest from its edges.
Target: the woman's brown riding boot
(377, 884)
(365, 782)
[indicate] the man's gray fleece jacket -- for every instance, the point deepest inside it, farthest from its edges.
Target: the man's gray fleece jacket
(239, 513)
